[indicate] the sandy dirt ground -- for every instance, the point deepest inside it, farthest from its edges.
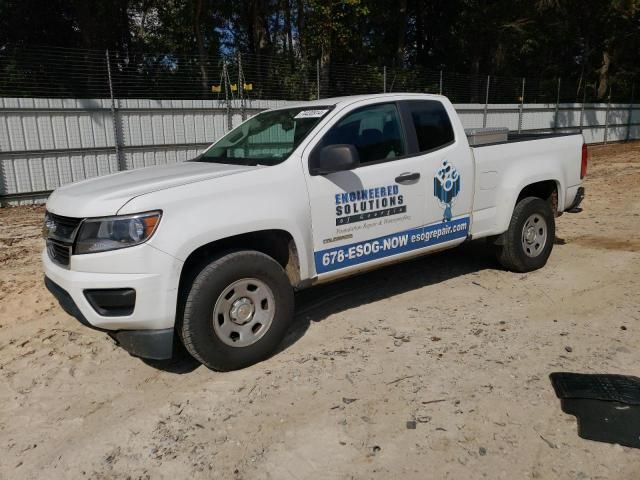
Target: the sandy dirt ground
(435, 368)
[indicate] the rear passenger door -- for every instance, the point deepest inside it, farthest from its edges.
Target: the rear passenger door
(364, 216)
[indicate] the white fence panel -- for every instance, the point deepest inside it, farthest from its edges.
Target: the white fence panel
(45, 143)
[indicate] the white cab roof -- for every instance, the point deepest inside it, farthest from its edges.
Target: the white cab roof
(342, 101)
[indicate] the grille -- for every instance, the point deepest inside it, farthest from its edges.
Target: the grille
(60, 232)
(63, 227)
(59, 252)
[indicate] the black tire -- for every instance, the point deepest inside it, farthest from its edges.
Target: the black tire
(197, 327)
(511, 252)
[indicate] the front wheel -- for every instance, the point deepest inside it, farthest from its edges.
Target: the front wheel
(528, 242)
(237, 311)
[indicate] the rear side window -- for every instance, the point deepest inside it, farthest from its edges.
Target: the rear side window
(432, 124)
(374, 130)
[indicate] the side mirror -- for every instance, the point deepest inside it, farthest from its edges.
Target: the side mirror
(334, 158)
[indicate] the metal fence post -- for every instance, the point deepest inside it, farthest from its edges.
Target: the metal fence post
(555, 115)
(440, 82)
(606, 118)
(384, 79)
(630, 113)
(318, 79)
(228, 96)
(486, 103)
(114, 118)
(521, 110)
(243, 109)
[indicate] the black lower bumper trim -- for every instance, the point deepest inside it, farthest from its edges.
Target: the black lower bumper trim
(153, 344)
(66, 302)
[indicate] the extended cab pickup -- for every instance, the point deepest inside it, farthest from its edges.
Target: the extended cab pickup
(209, 252)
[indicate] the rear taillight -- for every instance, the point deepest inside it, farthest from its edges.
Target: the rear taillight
(585, 159)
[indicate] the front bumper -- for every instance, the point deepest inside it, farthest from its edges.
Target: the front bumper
(147, 330)
(153, 344)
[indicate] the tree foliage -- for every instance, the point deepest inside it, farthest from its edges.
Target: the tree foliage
(592, 42)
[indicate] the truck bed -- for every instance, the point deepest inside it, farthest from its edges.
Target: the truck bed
(514, 137)
(504, 168)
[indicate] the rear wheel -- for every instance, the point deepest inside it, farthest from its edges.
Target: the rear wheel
(237, 311)
(528, 242)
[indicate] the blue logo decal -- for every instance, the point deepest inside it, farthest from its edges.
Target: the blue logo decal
(446, 186)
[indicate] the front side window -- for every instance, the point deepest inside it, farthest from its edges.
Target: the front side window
(375, 131)
(266, 139)
(432, 124)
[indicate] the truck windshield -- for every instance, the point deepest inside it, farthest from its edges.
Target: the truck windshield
(266, 139)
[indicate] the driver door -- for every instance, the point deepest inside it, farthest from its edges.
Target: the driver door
(365, 216)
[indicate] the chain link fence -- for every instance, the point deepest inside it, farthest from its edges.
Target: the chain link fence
(53, 72)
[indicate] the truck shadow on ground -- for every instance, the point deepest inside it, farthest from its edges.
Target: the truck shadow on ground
(318, 303)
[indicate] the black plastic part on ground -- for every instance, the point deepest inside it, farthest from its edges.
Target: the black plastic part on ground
(607, 407)
(609, 422)
(606, 387)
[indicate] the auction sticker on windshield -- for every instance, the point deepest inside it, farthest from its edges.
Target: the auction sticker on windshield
(311, 114)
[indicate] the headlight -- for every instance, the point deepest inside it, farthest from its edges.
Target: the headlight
(48, 227)
(110, 233)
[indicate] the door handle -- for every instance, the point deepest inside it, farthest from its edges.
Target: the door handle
(407, 178)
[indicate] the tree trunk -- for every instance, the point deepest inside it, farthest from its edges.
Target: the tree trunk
(401, 37)
(475, 83)
(287, 28)
(262, 42)
(603, 72)
(300, 26)
(325, 69)
(300, 21)
(420, 40)
(197, 27)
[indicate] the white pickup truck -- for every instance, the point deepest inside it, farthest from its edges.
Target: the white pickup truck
(209, 252)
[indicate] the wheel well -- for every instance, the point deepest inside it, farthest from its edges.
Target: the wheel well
(278, 244)
(546, 190)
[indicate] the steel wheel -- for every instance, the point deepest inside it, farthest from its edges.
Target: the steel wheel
(244, 312)
(534, 235)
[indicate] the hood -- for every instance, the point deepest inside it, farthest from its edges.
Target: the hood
(102, 196)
